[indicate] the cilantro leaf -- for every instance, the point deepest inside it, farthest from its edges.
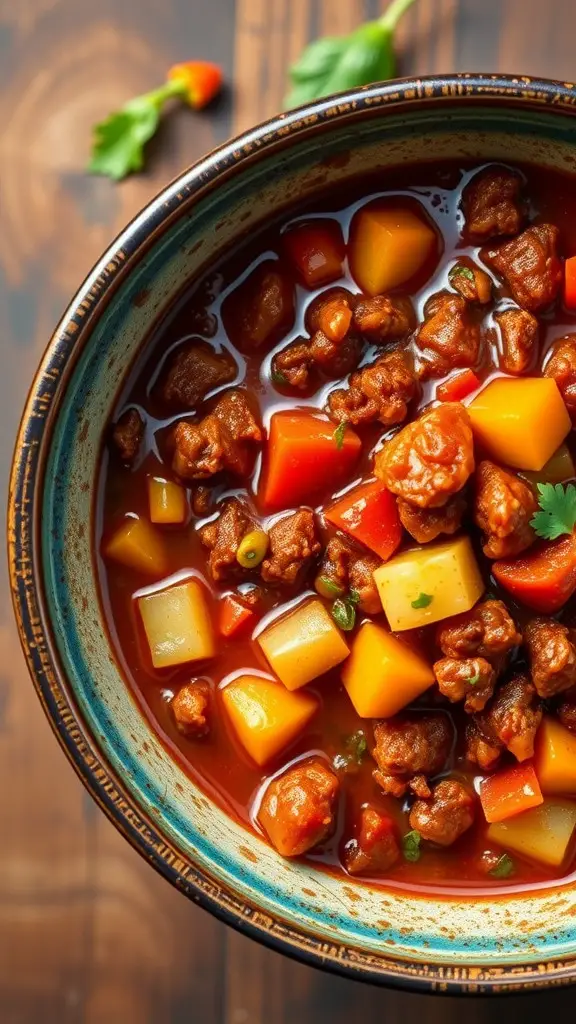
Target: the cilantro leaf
(277, 377)
(472, 680)
(119, 140)
(461, 271)
(357, 745)
(422, 601)
(338, 434)
(344, 614)
(329, 587)
(503, 868)
(557, 515)
(411, 846)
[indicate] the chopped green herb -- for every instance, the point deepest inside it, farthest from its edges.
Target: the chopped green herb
(472, 680)
(278, 378)
(411, 846)
(422, 601)
(328, 588)
(461, 271)
(339, 434)
(357, 745)
(354, 597)
(504, 867)
(344, 613)
(557, 514)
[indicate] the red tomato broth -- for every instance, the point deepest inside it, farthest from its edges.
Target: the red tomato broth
(218, 763)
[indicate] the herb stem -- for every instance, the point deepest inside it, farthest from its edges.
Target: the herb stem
(170, 90)
(392, 15)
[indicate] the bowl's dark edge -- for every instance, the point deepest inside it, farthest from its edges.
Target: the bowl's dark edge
(32, 444)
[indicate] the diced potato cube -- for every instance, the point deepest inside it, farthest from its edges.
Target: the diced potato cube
(555, 758)
(542, 834)
(558, 469)
(303, 644)
(177, 624)
(429, 583)
(388, 246)
(167, 501)
(265, 716)
(520, 421)
(382, 674)
(137, 545)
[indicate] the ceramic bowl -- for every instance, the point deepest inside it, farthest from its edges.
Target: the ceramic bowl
(459, 942)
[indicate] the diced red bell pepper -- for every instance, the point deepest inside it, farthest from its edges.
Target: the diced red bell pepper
(235, 617)
(544, 578)
(305, 455)
(369, 514)
(457, 387)
(570, 283)
(510, 792)
(317, 250)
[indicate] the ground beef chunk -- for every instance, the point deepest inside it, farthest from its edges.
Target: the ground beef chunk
(552, 653)
(223, 537)
(296, 365)
(503, 508)
(473, 284)
(384, 317)
(491, 204)
(191, 707)
(512, 717)
(480, 750)
(298, 809)
(261, 310)
(562, 368)
(469, 679)
(430, 459)
(448, 337)
(530, 266)
(331, 314)
(425, 524)
(223, 440)
(408, 749)
(352, 570)
(293, 544)
(380, 391)
(446, 815)
(127, 435)
(566, 711)
(375, 848)
(193, 370)
(487, 631)
(519, 332)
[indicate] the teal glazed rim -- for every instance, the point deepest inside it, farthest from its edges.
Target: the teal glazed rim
(45, 530)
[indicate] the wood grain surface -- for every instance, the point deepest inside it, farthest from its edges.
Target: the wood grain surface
(88, 932)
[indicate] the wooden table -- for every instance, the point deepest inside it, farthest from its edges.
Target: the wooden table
(88, 932)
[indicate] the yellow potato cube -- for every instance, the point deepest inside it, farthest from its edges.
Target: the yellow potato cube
(167, 501)
(388, 246)
(303, 644)
(382, 674)
(520, 421)
(543, 833)
(137, 545)
(265, 716)
(555, 757)
(177, 624)
(429, 583)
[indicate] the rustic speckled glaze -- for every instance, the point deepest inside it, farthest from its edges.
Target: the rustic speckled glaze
(461, 943)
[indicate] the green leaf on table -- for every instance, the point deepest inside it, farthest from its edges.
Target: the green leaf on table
(119, 141)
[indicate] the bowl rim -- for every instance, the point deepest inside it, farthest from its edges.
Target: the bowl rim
(25, 487)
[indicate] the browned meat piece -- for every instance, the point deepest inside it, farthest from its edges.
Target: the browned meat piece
(519, 331)
(479, 750)
(430, 459)
(296, 364)
(331, 314)
(298, 810)
(566, 711)
(410, 748)
(223, 537)
(352, 570)
(380, 391)
(503, 508)
(201, 499)
(193, 370)
(384, 317)
(491, 204)
(471, 283)
(562, 367)
(376, 847)
(469, 679)
(448, 337)
(224, 439)
(425, 524)
(293, 365)
(191, 707)
(487, 631)
(530, 266)
(127, 435)
(512, 717)
(260, 312)
(552, 653)
(446, 815)
(293, 543)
